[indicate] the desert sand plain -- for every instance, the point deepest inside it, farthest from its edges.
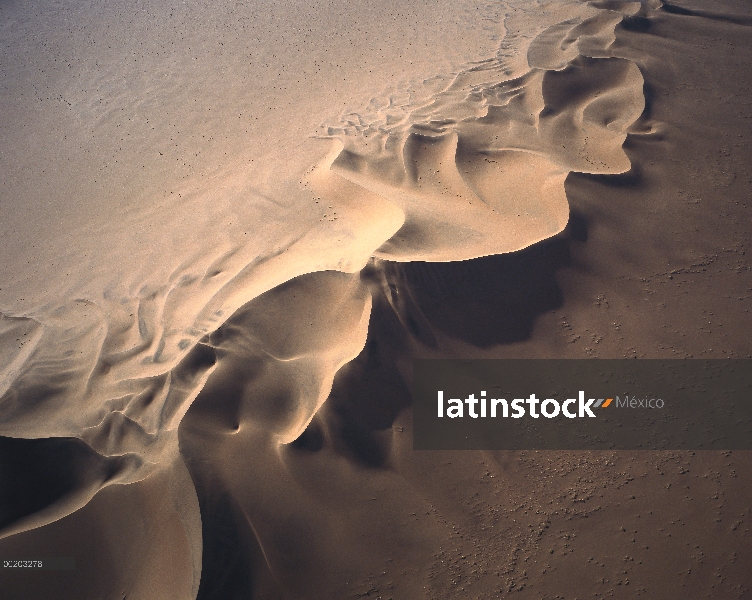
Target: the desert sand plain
(228, 229)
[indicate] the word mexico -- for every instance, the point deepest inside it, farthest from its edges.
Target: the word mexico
(570, 404)
(571, 408)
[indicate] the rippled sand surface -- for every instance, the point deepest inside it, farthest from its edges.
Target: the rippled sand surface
(227, 229)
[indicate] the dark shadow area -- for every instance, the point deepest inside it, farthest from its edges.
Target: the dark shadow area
(725, 18)
(649, 93)
(312, 439)
(224, 573)
(486, 301)
(35, 474)
(578, 226)
(636, 24)
(641, 24)
(231, 558)
(495, 299)
(369, 392)
(677, 10)
(632, 179)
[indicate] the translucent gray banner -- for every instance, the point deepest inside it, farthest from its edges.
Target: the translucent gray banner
(558, 404)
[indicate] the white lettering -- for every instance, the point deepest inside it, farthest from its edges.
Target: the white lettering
(532, 401)
(555, 412)
(585, 408)
(455, 410)
(501, 401)
(471, 401)
(565, 409)
(518, 410)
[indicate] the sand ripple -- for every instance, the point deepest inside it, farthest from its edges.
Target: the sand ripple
(473, 165)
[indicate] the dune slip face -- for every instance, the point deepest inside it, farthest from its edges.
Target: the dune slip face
(263, 288)
(479, 168)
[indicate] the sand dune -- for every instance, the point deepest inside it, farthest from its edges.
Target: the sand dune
(476, 168)
(209, 308)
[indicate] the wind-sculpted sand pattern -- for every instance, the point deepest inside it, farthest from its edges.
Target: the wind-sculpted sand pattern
(479, 168)
(475, 168)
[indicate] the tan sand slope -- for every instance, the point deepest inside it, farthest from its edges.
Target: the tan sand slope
(653, 263)
(473, 169)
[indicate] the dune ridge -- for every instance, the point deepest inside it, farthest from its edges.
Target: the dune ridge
(474, 169)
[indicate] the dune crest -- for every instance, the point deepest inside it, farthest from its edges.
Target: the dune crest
(479, 169)
(476, 168)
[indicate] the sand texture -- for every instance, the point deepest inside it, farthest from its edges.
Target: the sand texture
(227, 230)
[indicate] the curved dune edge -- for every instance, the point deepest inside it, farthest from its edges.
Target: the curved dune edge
(477, 169)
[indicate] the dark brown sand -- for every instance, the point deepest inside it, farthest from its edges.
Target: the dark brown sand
(653, 262)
